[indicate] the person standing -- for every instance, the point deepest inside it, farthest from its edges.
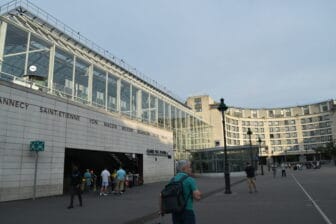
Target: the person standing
(250, 175)
(88, 180)
(274, 169)
(114, 180)
(105, 175)
(94, 181)
(121, 177)
(190, 192)
(76, 179)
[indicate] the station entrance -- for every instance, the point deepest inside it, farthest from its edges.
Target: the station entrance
(99, 160)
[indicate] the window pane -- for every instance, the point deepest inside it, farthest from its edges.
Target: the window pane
(134, 103)
(14, 65)
(112, 93)
(41, 61)
(167, 116)
(81, 80)
(145, 106)
(63, 67)
(38, 44)
(125, 92)
(160, 113)
(98, 87)
(173, 116)
(153, 109)
(16, 40)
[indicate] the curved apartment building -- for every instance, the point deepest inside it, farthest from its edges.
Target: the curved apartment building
(290, 131)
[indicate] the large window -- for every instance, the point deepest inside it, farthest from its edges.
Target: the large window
(173, 116)
(153, 109)
(112, 93)
(98, 87)
(63, 69)
(81, 80)
(125, 98)
(160, 113)
(38, 57)
(145, 106)
(167, 116)
(134, 103)
(15, 51)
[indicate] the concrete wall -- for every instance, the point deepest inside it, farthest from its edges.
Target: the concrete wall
(27, 115)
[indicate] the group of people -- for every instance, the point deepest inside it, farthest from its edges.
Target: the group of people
(184, 172)
(88, 182)
(116, 180)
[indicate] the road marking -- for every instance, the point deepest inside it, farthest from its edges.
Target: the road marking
(326, 219)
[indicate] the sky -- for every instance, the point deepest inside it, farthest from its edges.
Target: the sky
(252, 53)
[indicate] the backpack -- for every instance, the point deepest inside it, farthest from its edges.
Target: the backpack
(172, 197)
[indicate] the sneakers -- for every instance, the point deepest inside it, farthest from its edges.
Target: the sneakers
(70, 207)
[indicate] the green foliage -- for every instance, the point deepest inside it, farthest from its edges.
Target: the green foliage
(330, 149)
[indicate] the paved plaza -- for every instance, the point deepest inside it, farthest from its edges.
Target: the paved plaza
(306, 196)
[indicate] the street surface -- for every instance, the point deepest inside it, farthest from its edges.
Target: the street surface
(306, 196)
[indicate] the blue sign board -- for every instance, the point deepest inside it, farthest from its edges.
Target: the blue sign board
(37, 146)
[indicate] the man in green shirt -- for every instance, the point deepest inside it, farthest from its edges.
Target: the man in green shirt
(190, 191)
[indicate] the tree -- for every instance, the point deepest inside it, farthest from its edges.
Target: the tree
(319, 151)
(331, 150)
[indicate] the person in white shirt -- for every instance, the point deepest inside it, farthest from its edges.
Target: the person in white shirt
(105, 175)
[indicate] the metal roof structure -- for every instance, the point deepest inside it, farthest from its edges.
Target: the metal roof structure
(46, 20)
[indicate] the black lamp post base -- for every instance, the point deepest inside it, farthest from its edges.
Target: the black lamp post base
(227, 191)
(227, 183)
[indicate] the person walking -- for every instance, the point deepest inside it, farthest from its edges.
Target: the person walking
(274, 169)
(251, 179)
(190, 192)
(105, 175)
(121, 177)
(283, 170)
(76, 179)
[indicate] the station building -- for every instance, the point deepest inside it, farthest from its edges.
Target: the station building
(86, 106)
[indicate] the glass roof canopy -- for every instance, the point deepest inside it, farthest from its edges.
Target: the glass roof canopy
(39, 15)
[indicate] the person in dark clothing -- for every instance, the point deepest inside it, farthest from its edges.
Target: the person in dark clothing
(250, 175)
(76, 179)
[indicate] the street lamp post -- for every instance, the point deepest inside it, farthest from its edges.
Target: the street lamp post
(249, 133)
(261, 162)
(286, 156)
(222, 108)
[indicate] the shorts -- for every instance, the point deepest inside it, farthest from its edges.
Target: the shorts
(105, 183)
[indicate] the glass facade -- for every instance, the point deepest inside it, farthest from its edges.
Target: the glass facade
(211, 160)
(67, 69)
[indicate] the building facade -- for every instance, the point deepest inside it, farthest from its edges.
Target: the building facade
(292, 131)
(88, 107)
